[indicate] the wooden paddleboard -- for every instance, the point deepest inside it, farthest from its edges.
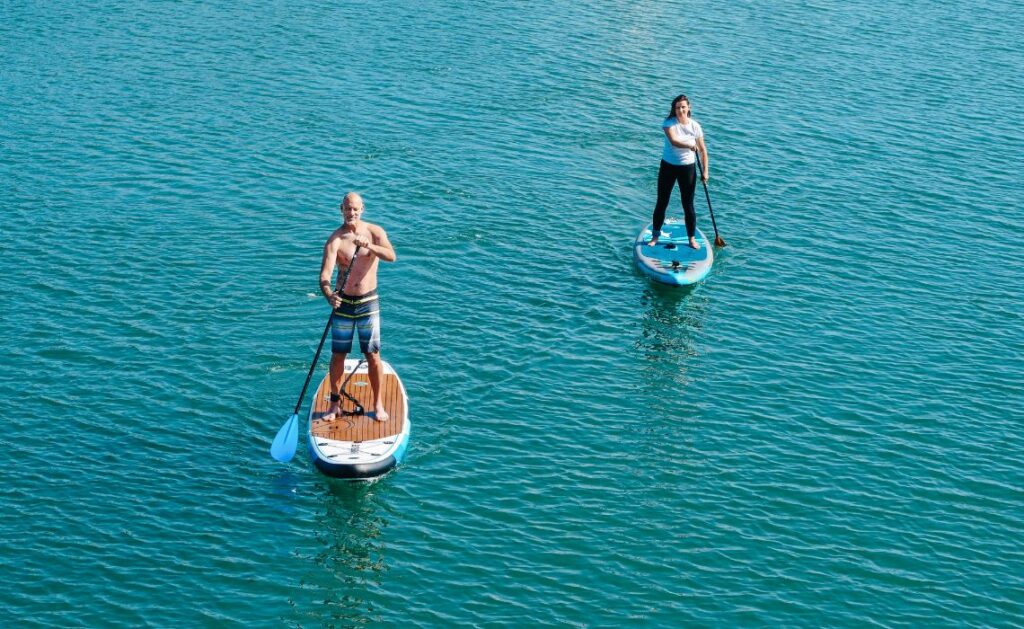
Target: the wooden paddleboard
(672, 261)
(358, 447)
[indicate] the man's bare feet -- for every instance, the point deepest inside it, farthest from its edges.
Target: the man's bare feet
(380, 414)
(652, 241)
(333, 411)
(693, 243)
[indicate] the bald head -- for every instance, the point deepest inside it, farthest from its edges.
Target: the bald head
(352, 200)
(351, 208)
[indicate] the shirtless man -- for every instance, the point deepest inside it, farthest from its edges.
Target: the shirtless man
(355, 304)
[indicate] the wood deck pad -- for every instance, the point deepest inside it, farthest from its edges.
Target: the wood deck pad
(360, 427)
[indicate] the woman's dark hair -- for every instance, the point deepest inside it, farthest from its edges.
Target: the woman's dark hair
(676, 101)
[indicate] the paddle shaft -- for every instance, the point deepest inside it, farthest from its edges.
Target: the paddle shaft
(707, 196)
(327, 328)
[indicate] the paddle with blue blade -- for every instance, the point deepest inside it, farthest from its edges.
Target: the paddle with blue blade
(283, 448)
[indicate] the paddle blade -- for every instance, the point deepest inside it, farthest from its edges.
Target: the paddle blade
(719, 242)
(283, 448)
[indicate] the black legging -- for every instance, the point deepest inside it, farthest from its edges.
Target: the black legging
(686, 176)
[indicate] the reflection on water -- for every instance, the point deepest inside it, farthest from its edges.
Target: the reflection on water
(665, 347)
(350, 563)
(283, 487)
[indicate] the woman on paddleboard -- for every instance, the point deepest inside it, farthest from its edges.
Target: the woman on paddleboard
(683, 138)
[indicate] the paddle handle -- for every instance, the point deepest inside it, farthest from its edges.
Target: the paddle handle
(323, 337)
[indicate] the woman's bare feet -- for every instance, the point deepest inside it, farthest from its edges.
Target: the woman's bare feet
(333, 411)
(658, 234)
(380, 414)
(693, 243)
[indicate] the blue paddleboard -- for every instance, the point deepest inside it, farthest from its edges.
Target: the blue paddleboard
(672, 261)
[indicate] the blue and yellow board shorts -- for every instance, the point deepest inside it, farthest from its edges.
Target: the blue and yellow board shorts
(357, 313)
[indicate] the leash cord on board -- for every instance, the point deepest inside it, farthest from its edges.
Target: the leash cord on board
(359, 410)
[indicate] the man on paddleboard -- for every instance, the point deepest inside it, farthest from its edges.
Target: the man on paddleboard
(356, 309)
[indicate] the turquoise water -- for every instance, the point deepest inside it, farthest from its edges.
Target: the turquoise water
(826, 432)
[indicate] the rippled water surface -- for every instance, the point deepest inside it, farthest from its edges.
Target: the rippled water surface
(826, 432)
